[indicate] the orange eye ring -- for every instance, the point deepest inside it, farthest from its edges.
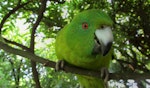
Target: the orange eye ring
(85, 25)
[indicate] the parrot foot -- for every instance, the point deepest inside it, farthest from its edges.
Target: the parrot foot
(104, 74)
(59, 65)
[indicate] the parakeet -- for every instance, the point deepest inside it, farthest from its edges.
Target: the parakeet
(86, 43)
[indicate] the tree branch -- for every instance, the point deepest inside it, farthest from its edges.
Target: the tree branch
(33, 63)
(59, 1)
(13, 71)
(16, 72)
(17, 44)
(11, 12)
(73, 69)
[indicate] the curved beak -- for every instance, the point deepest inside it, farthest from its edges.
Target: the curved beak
(103, 41)
(105, 48)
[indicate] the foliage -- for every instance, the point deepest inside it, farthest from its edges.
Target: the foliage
(131, 47)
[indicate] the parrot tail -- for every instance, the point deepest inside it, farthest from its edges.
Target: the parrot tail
(90, 82)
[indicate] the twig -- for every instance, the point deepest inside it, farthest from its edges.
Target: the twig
(73, 69)
(146, 81)
(40, 16)
(59, 1)
(33, 63)
(17, 44)
(11, 12)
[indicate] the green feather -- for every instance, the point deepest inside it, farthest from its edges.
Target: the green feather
(75, 45)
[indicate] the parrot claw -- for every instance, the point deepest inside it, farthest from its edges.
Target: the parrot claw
(59, 65)
(104, 74)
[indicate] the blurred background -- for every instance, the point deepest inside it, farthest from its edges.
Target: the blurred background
(131, 31)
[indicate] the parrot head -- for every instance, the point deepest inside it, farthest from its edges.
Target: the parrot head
(90, 33)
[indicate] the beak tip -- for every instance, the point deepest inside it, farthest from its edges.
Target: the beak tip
(106, 49)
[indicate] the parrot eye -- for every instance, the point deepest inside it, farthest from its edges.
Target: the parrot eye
(85, 25)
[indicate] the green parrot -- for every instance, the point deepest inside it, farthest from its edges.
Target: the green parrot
(86, 43)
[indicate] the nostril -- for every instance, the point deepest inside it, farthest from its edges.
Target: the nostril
(102, 26)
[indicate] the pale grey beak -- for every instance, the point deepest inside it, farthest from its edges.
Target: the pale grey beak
(103, 41)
